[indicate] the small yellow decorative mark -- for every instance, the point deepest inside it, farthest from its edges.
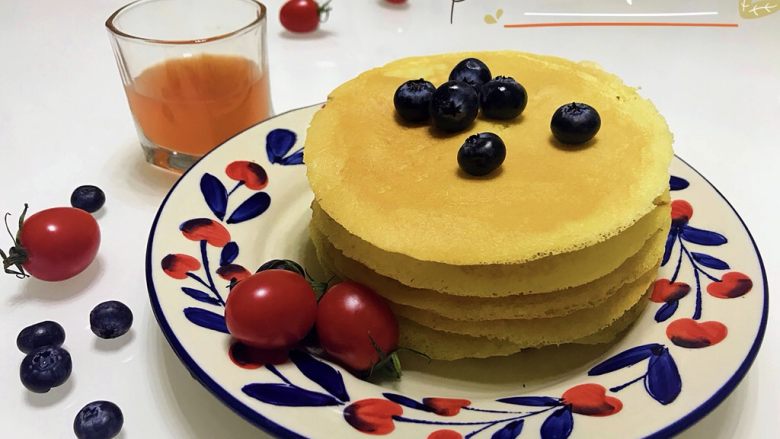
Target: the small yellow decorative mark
(761, 8)
(490, 19)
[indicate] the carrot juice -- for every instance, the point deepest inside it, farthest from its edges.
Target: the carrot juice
(193, 104)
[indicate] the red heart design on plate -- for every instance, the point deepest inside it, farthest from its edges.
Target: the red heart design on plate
(689, 333)
(446, 406)
(204, 229)
(591, 400)
(373, 415)
(732, 284)
(233, 271)
(252, 174)
(666, 291)
(247, 357)
(178, 265)
(445, 434)
(682, 211)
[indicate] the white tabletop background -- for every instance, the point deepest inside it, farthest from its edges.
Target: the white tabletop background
(64, 122)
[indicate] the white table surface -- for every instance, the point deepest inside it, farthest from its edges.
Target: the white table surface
(64, 122)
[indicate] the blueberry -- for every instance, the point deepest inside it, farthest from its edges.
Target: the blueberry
(481, 154)
(575, 123)
(110, 319)
(413, 100)
(502, 98)
(454, 106)
(41, 334)
(98, 420)
(44, 368)
(88, 198)
(471, 71)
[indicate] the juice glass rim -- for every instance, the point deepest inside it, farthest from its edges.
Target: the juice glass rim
(116, 31)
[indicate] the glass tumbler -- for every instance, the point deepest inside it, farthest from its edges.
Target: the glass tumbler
(195, 73)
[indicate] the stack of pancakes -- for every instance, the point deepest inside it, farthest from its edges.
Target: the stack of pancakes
(559, 245)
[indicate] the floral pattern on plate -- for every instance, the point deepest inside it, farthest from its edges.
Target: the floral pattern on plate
(306, 381)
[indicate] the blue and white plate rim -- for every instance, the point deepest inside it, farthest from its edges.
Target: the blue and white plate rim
(272, 427)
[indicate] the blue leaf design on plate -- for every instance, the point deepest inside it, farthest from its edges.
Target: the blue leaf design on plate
(677, 183)
(251, 208)
(321, 373)
(278, 143)
(295, 158)
(406, 401)
(200, 296)
(510, 430)
(229, 253)
(287, 395)
(215, 194)
(663, 381)
(670, 238)
(703, 237)
(624, 359)
(532, 401)
(710, 261)
(558, 425)
(666, 310)
(206, 319)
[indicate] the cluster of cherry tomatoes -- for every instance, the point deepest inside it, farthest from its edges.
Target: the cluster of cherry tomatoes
(276, 309)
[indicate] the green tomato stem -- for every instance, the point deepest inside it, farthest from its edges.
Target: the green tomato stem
(17, 255)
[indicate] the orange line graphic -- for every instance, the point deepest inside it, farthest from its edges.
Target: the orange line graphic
(621, 23)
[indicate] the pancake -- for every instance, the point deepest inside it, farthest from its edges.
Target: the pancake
(510, 307)
(539, 276)
(539, 332)
(446, 346)
(398, 187)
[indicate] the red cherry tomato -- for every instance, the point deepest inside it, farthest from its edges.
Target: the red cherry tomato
(273, 309)
(349, 316)
(302, 15)
(396, 2)
(58, 243)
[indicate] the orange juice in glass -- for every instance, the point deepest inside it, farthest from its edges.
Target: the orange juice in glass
(195, 73)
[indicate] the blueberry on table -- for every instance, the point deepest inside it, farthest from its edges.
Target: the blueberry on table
(98, 420)
(471, 71)
(41, 334)
(110, 319)
(88, 198)
(454, 106)
(412, 100)
(481, 154)
(502, 98)
(44, 368)
(575, 123)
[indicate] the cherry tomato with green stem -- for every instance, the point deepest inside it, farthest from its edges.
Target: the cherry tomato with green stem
(272, 309)
(356, 326)
(302, 16)
(53, 245)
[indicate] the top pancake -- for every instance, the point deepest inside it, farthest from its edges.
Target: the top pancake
(399, 187)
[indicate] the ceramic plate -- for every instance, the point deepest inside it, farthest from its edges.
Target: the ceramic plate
(248, 201)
